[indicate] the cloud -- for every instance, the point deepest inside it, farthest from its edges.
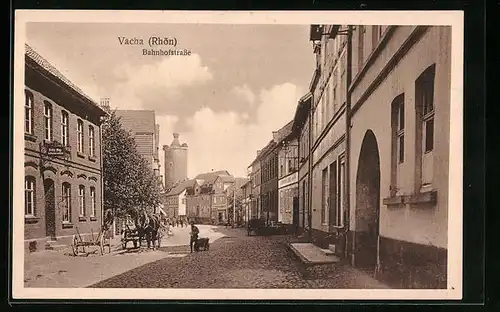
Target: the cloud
(244, 93)
(151, 86)
(226, 140)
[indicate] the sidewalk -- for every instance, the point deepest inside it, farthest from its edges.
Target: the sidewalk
(61, 269)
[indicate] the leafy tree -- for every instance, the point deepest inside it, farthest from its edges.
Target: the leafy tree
(129, 182)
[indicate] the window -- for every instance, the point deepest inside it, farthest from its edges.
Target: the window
(401, 130)
(64, 128)
(424, 97)
(91, 141)
(28, 112)
(397, 140)
(290, 166)
(93, 204)
(81, 200)
(80, 136)
(29, 196)
(324, 206)
(47, 116)
(66, 201)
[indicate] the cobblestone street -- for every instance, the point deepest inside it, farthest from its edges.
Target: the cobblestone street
(235, 261)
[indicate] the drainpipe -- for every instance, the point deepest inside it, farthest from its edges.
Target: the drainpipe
(348, 135)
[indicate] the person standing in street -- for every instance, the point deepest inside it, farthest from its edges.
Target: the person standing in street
(194, 235)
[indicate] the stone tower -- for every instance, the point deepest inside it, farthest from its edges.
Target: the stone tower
(175, 162)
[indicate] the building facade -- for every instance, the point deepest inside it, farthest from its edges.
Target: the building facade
(328, 136)
(141, 124)
(247, 200)
(198, 201)
(300, 129)
(206, 200)
(269, 182)
(62, 157)
(175, 162)
(288, 193)
(255, 178)
(399, 159)
(175, 200)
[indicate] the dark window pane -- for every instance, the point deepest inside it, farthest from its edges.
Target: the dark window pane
(401, 116)
(401, 148)
(429, 135)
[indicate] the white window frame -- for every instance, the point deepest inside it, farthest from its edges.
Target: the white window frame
(28, 112)
(29, 196)
(93, 203)
(79, 130)
(64, 128)
(66, 197)
(48, 119)
(91, 141)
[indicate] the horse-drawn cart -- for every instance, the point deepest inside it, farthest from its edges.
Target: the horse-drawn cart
(130, 235)
(80, 246)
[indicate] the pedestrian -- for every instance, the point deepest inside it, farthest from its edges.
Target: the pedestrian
(182, 222)
(194, 235)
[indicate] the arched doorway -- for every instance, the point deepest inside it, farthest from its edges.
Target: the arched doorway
(50, 208)
(367, 204)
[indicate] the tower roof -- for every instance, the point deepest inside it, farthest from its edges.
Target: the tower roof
(175, 141)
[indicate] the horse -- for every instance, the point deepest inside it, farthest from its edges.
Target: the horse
(148, 226)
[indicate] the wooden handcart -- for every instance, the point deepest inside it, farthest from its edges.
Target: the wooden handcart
(80, 246)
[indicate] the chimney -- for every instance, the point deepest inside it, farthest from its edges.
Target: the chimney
(258, 152)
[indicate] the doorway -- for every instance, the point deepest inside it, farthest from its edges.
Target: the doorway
(367, 205)
(50, 209)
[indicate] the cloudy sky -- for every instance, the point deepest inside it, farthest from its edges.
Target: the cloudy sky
(241, 82)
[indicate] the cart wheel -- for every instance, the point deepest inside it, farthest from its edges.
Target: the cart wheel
(74, 245)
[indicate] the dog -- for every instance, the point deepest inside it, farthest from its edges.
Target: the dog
(202, 243)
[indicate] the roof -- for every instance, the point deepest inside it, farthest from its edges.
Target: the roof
(31, 54)
(284, 132)
(138, 120)
(179, 188)
(206, 175)
(301, 113)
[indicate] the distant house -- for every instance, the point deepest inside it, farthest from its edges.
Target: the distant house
(175, 201)
(206, 200)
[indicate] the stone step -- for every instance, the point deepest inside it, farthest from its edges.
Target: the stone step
(332, 247)
(328, 252)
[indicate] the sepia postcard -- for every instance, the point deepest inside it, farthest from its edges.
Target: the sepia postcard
(237, 155)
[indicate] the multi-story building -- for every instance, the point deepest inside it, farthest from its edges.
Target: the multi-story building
(300, 129)
(175, 162)
(399, 152)
(62, 157)
(328, 137)
(268, 158)
(247, 200)
(255, 178)
(288, 193)
(206, 200)
(234, 200)
(141, 124)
